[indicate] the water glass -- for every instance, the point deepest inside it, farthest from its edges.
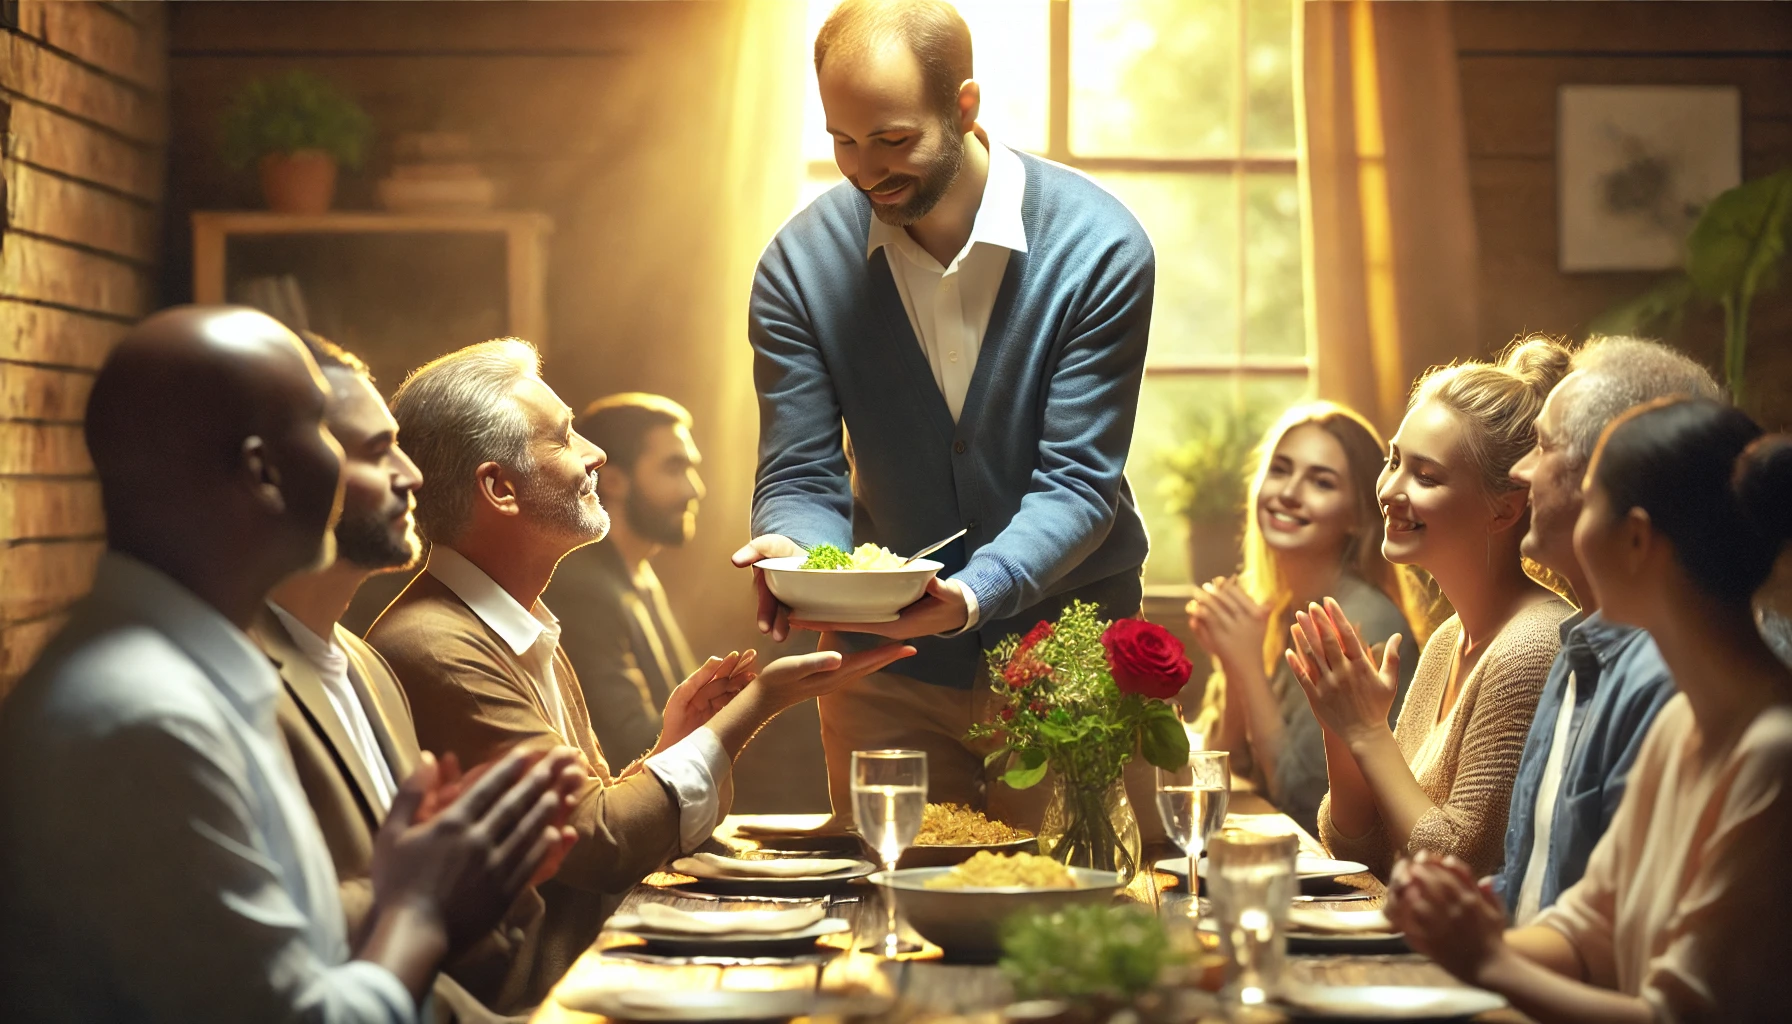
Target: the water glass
(1192, 801)
(1252, 880)
(889, 796)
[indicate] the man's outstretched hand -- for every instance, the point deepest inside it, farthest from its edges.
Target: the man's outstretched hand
(773, 615)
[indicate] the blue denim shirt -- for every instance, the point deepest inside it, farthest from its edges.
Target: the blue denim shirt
(1620, 682)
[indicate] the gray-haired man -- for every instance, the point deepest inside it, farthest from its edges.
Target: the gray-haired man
(512, 488)
(1609, 681)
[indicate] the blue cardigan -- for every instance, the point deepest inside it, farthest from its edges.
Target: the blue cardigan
(1034, 467)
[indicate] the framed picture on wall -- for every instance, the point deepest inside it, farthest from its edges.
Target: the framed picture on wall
(1635, 166)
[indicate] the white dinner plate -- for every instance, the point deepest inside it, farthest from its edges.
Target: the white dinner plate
(1309, 867)
(1388, 1002)
(732, 944)
(671, 1004)
(799, 885)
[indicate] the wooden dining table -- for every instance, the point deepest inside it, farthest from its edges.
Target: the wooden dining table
(924, 986)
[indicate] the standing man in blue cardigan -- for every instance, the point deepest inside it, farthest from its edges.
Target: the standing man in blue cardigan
(952, 338)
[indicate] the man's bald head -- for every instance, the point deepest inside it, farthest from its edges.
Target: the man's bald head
(206, 422)
(932, 30)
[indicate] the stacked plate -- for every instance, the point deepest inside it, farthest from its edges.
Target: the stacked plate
(783, 875)
(738, 933)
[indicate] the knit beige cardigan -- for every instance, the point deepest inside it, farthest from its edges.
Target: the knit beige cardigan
(1470, 782)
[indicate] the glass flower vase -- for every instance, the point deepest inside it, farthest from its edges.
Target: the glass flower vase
(1092, 826)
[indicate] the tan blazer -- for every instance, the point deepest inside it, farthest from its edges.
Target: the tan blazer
(471, 694)
(501, 970)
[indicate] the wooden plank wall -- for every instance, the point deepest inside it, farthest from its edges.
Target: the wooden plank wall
(83, 88)
(1514, 56)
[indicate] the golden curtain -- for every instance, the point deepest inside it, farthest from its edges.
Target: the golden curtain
(1388, 220)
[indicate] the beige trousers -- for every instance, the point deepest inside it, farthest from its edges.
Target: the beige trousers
(886, 710)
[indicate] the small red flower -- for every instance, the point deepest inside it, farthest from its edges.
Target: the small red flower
(1021, 671)
(1037, 707)
(1031, 640)
(1145, 658)
(1007, 713)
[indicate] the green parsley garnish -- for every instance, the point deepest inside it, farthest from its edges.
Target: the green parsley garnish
(827, 556)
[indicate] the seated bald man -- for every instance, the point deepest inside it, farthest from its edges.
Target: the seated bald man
(159, 860)
(512, 488)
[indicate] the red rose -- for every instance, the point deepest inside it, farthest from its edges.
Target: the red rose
(1145, 658)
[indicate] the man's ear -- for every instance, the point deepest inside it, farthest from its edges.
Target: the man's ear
(496, 489)
(970, 104)
(263, 476)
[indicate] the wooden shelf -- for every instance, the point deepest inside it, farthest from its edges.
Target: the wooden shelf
(525, 233)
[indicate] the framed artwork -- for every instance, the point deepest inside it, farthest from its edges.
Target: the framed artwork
(1635, 166)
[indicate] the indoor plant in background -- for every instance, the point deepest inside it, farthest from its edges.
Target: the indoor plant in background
(1734, 252)
(1204, 483)
(1077, 699)
(296, 129)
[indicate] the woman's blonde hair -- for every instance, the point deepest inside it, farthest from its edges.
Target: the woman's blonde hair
(1498, 404)
(1364, 452)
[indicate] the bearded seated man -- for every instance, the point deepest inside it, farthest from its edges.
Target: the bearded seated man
(512, 490)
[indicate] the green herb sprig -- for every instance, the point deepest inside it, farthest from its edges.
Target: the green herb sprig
(827, 556)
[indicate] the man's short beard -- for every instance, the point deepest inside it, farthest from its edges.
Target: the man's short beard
(931, 185)
(367, 541)
(563, 512)
(652, 523)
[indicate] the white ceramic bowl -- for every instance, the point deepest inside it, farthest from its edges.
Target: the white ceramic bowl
(967, 923)
(846, 595)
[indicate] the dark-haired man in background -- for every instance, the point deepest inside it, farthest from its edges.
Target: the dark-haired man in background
(620, 633)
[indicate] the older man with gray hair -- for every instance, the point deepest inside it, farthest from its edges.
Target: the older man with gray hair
(512, 489)
(1609, 681)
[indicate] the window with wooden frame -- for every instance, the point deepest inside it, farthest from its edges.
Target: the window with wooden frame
(1185, 110)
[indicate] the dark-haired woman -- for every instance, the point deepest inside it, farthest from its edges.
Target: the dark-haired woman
(1685, 912)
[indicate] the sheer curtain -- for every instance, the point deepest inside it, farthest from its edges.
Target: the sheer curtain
(1389, 223)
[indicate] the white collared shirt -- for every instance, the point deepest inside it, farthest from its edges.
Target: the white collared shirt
(948, 307)
(161, 859)
(331, 664)
(693, 768)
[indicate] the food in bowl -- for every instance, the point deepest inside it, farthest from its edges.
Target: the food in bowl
(864, 558)
(967, 923)
(833, 595)
(958, 825)
(989, 870)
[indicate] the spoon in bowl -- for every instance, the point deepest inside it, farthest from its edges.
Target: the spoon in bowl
(931, 548)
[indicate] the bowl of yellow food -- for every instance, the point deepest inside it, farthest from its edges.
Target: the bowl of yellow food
(868, 584)
(962, 908)
(953, 833)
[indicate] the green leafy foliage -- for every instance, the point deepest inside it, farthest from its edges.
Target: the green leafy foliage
(1735, 252)
(1206, 476)
(1163, 741)
(290, 112)
(827, 556)
(1085, 953)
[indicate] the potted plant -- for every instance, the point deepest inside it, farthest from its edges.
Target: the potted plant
(1206, 482)
(1734, 252)
(296, 128)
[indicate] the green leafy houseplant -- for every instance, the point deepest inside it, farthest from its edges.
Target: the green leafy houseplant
(1111, 954)
(1205, 481)
(290, 113)
(1734, 253)
(1080, 697)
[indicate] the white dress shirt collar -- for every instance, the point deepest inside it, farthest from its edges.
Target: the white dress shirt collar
(518, 626)
(330, 662)
(998, 220)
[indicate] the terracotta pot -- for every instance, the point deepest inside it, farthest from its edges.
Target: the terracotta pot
(299, 182)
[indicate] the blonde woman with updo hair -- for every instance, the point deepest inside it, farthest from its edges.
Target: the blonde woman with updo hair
(1312, 529)
(1441, 778)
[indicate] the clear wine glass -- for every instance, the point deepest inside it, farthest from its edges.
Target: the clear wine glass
(1192, 801)
(889, 795)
